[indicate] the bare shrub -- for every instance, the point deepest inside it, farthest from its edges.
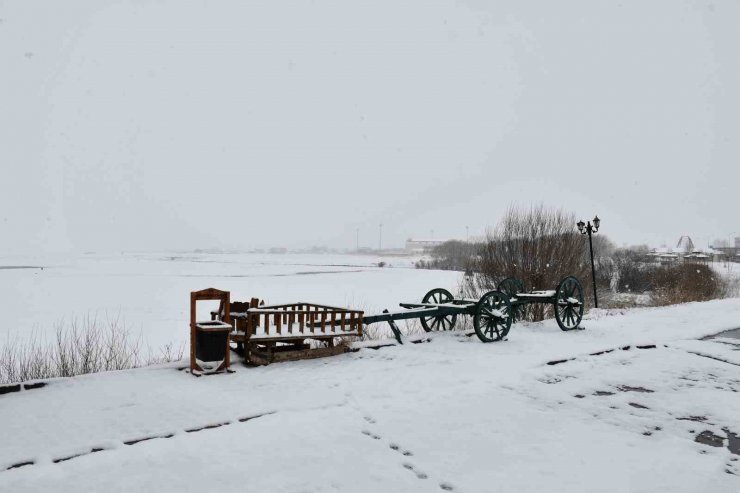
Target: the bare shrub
(452, 255)
(538, 245)
(636, 280)
(682, 283)
(625, 271)
(79, 347)
(731, 288)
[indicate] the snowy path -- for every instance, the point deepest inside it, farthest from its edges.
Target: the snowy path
(450, 415)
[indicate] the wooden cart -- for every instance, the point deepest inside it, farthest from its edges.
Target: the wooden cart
(493, 313)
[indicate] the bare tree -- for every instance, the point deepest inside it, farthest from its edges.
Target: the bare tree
(540, 246)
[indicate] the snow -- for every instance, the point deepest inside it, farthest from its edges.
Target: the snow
(452, 413)
(150, 292)
(538, 294)
(214, 325)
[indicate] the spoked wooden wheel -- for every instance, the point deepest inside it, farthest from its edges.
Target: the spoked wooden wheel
(438, 296)
(511, 287)
(493, 317)
(569, 303)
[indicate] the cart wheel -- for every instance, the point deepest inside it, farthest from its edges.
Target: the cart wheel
(438, 296)
(569, 304)
(493, 317)
(512, 286)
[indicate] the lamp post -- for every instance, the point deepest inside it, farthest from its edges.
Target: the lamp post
(590, 229)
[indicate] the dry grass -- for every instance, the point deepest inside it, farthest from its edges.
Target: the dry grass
(684, 283)
(79, 347)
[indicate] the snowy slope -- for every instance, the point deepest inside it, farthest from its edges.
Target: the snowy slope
(452, 414)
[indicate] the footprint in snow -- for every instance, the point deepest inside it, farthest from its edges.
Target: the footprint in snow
(370, 419)
(397, 448)
(419, 474)
(406, 453)
(371, 434)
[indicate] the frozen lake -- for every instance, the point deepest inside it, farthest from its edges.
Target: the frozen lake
(150, 291)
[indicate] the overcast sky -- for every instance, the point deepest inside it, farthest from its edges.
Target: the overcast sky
(182, 124)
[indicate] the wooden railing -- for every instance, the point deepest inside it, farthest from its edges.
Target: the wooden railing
(303, 319)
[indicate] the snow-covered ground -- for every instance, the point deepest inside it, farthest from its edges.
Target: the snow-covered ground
(729, 269)
(150, 291)
(452, 414)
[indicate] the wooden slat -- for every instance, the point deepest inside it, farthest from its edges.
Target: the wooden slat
(299, 337)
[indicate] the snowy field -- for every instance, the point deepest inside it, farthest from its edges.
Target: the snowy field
(150, 292)
(452, 414)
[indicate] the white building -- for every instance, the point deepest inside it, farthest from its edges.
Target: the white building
(687, 251)
(416, 245)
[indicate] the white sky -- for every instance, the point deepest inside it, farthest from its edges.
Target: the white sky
(185, 124)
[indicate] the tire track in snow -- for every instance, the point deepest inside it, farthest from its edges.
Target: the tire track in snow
(135, 441)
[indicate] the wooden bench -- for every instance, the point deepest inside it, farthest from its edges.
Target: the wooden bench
(279, 332)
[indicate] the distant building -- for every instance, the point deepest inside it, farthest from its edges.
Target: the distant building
(728, 250)
(685, 250)
(415, 245)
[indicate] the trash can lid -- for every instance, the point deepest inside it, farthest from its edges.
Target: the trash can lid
(213, 325)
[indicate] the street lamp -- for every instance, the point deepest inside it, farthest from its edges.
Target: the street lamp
(589, 229)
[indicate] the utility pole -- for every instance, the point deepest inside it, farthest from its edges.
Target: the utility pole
(357, 240)
(380, 237)
(467, 234)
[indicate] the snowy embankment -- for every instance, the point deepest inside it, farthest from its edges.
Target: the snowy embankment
(453, 414)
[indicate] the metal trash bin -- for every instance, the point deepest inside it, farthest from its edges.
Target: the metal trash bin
(211, 340)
